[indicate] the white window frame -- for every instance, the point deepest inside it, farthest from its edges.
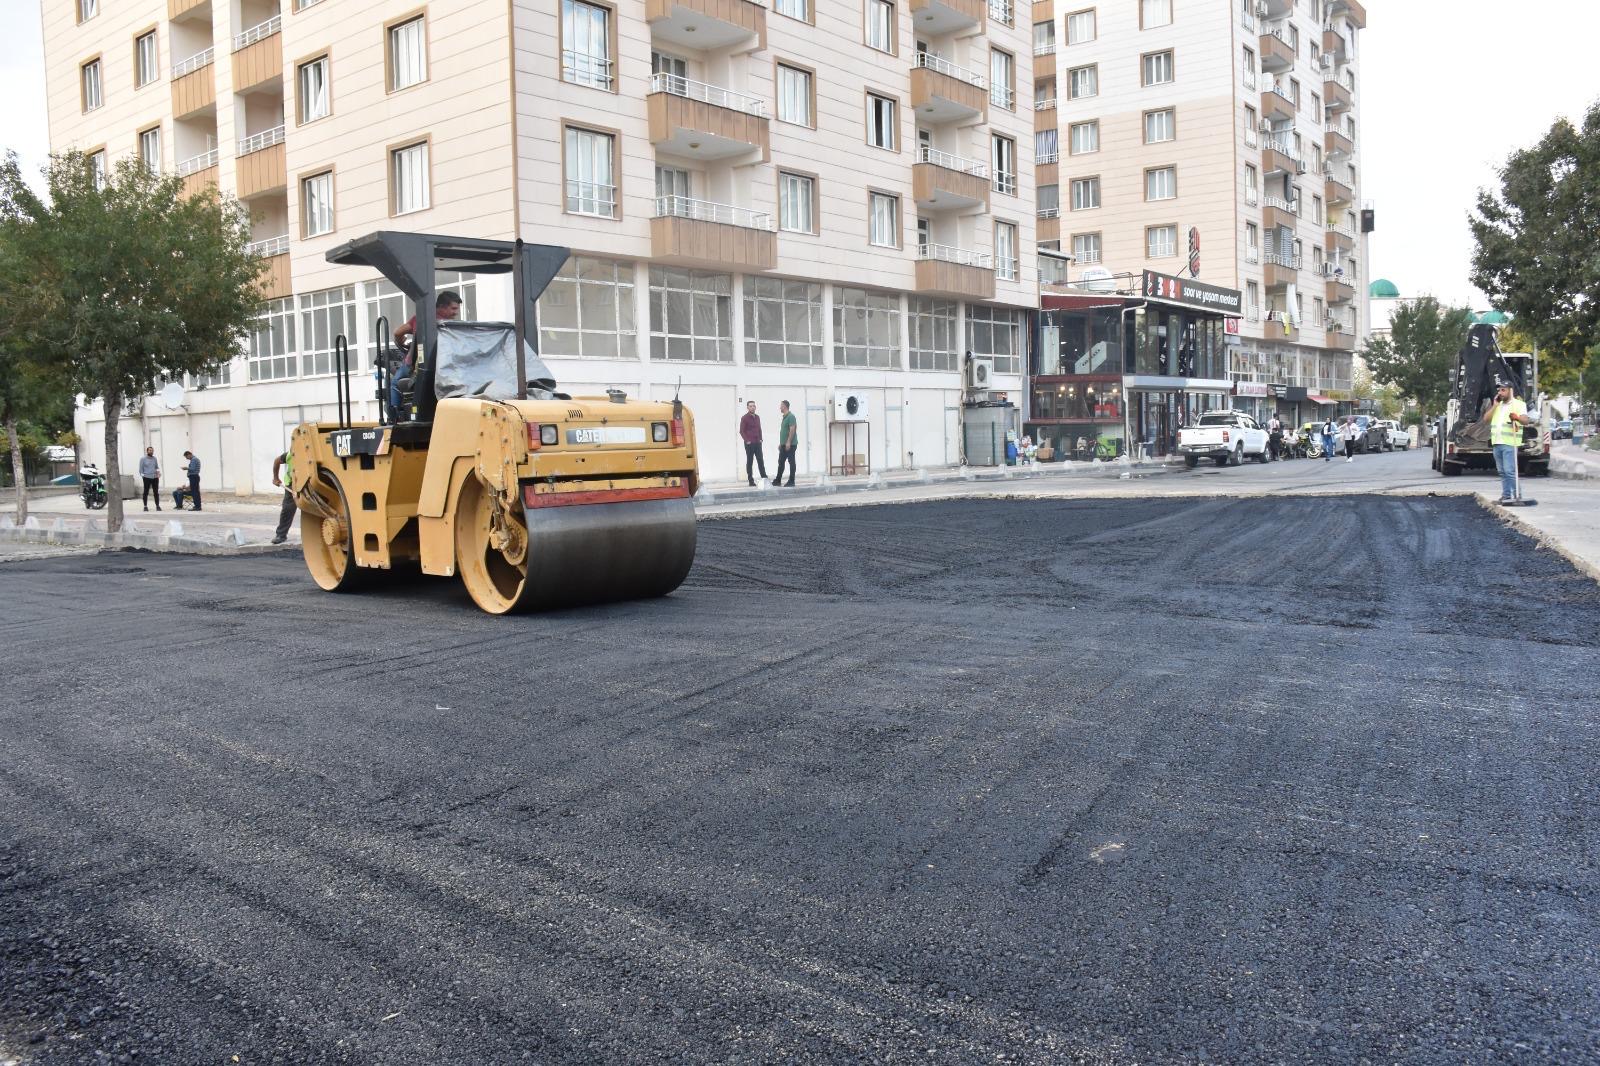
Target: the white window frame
(1089, 141)
(324, 315)
(408, 53)
(993, 323)
(1154, 250)
(1162, 120)
(1005, 251)
(590, 183)
(782, 321)
(795, 9)
(866, 328)
(1154, 13)
(150, 148)
(1157, 68)
(1085, 193)
(882, 25)
(97, 166)
(410, 179)
(1003, 160)
(146, 60)
(586, 57)
(91, 83)
(1161, 183)
(1002, 78)
(883, 220)
(580, 319)
(316, 204)
(931, 333)
(694, 312)
(270, 348)
(1075, 26)
(87, 9)
(794, 89)
(311, 88)
(797, 202)
(1083, 82)
(1087, 248)
(883, 115)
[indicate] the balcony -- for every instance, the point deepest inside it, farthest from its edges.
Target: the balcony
(1279, 326)
(1338, 191)
(1339, 237)
(1278, 270)
(1048, 226)
(194, 84)
(1275, 101)
(708, 25)
(700, 121)
(1338, 335)
(1337, 143)
(1335, 46)
(198, 171)
(1276, 55)
(261, 165)
(1277, 156)
(1341, 290)
(178, 9)
(941, 91)
(701, 233)
(944, 182)
(939, 18)
(274, 282)
(1350, 9)
(258, 55)
(1335, 94)
(1269, 10)
(1279, 212)
(959, 272)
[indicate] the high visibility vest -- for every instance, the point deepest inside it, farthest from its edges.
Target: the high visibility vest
(1501, 429)
(287, 475)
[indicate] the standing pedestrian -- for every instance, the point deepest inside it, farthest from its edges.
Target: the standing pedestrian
(1350, 432)
(1275, 437)
(1327, 440)
(150, 471)
(1506, 419)
(788, 442)
(193, 492)
(285, 463)
(750, 433)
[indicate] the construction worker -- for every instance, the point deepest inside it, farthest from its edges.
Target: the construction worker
(1506, 419)
(284, 463)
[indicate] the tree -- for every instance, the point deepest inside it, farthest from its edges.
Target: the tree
(1386, 398)
(1535, 256)
(1420, 352)
(149, 282)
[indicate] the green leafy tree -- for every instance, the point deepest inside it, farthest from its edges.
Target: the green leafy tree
(1535, 256)
(148, 282)
(1419, 353)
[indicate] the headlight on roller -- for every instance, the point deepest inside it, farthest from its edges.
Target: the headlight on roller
(548, 435)
(658, 432)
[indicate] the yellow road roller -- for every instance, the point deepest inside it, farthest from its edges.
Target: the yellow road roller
(479, 466)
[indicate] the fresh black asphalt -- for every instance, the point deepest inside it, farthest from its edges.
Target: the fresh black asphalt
(1118, 781)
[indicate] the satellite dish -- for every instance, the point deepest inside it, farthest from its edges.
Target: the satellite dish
(1097, 279)
(172, 396)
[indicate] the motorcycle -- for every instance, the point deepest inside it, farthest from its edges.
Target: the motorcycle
(92, 488)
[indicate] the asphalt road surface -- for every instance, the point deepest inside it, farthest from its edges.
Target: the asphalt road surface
(1205, 780)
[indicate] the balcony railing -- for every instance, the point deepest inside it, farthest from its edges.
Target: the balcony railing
(1252, 313)
(1044, 158)
(945, 67)
(1249, 80)
(257, 141)
(581, 68)
(975, 167)
(1248, 21)
(197, 162)
(1006, 182)
(1087, 258)
(259, 31)
(1252, 255)
(1045, 104)
(946, 253)
(1276, 31)
(1002, 96)
(1277, 259)
(1049, 212)
(1005, 268)
(1292, 206)
(270, 246)
(1252, 197)
(1347, 231)
(706, 211)
(708, 94)
(1045, 49)
(1276, 144)
(1250, 140)
(591, 198)
(1334, 325)
(1276, 87)
(194, 62)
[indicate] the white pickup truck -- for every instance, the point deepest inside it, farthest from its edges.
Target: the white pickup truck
(1226, 436)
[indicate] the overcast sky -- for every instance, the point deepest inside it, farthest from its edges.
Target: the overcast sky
(1450, 87)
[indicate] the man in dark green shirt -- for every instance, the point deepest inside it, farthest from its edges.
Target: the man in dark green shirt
(788, 441)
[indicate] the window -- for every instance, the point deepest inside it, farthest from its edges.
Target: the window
(311, 86)
(1159, 126)
(691, 313)
(883, 220)
(881, 25)
(1158, 68)
(1046, 146)
(1161, 183)
(88, 9)
(1252, 301)
(1084, 137)
(150, 148)
(1005, 165)
(1080, 27)
(1316, 108)
(586, 44)
(1083, 82)
(1153, 13)
(794, 95)
(323, 317)
(996, 333)
(1005, 251)
(145, 67)
(1249, 68)
(1316, 210)
(588, 310)
(795, 9)
(866, 328)
(1252, 242)
(591, 181)
(1001, 81)
(797, 203)
(932, 334)
(662, 63)
(89, 73)
(408, 54)
(1252, 192)
(1160, 242)
(880, 121)
(1048, 198)
(1044, 93)
(271, 343)
(1044, 38)
(1086, 248)
(316, 201)
(1294, 92)
(1250, 126)
(673, 181)
(97, 167)
(408, 178)
(1085, 193)
(782, 322)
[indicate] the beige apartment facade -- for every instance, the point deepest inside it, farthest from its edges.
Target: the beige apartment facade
(1215, 139)
(805, 200)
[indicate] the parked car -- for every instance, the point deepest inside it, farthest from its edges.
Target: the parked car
(1562, 430)
(1399, 436)
(1373, 436)
(1226, 436)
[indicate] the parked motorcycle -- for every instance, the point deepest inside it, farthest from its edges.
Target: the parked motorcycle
(92, 488)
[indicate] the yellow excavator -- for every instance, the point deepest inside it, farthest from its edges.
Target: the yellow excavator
(484, 469)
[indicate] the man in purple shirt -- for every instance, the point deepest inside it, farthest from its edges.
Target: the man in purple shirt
(750, 433)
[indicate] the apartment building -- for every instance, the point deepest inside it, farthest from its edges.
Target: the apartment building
(797, 201)
(1218, 140)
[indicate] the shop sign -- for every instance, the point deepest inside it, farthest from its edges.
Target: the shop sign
(1192, 293)
(1280, 391)
(1230, 325)
(1250, 388)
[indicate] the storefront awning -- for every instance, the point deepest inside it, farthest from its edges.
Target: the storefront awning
(1315, 398)
(1167, 383)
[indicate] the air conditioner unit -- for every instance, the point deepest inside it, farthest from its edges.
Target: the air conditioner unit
(980, 374)
(849, 407)
(1326, 61)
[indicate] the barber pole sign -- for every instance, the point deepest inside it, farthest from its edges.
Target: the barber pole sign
(1194, 251)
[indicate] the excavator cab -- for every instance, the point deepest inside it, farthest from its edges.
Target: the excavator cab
(536, 499)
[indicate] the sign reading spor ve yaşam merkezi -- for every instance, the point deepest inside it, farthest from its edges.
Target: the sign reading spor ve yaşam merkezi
(1192, 293)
